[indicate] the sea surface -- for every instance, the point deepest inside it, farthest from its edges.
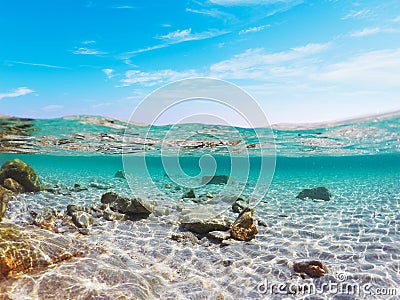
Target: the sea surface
(356, 234)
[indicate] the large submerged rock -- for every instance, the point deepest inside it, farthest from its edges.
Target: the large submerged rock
(203, 224)
(135, 206)
(215, 179)
(22, 173)
(25, 250)
(244, 229)
(315, 193)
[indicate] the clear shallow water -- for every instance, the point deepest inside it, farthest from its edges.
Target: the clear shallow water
(356, 234)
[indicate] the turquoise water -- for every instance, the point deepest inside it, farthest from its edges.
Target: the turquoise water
(356, 234)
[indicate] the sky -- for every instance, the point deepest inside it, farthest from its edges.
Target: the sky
(302, 61)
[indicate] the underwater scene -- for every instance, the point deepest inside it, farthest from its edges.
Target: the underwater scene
(96, 208)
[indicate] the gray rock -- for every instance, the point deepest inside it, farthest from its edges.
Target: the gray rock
(22, 173)
(79, 188)
(127, 205)
(185, 237)
(189, 194)
(5, 196)
(315, 193)
(204, 226)
(110, 215)
(82, 219)
(119, 174)
(239, 205)
(72, 208)
(215, 179)
(219, 236)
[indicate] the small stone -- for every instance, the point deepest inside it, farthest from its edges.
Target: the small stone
(110, 215)
(219, 236)
(185, 237)
(79, 188)
(315, 193)
(84, 231)
(5, 196)
(215, 179)
(13, 186)
(189, 194)
(22, 173)
(239, 205)
(312, 268)
(168, 185)
(119, 174)
(72, 208)
(100, 185)
(127, 205)
(244, 229)
(82, 219)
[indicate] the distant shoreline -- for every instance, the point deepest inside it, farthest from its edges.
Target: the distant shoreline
(278, 126)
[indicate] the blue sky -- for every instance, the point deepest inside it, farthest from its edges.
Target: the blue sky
(303, 61)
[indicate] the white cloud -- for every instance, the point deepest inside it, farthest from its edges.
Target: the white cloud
(247, 2)
(21, 91)
(358, 14)
(397, 19)
(52, 107)
(215, 13)
(184, 35)
(365, 32)
(256, 63)
(176, 37)
(108, 72)
(88, 51)
(371, 31)
(371, 70)
(166, 25)
(156, 77)
(36, 65)
(88, 42)
(253, 29)
(124, 7)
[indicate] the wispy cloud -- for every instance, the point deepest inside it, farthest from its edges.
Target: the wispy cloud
(108, 72)
(253, 29)
(365, 32)
(358, 14)
(374, 69)
(52, 107)
(185, 35)
(257, 64)
(88, 42)
(142, 50)
(248, 2)
(88, 51)
(397, 19)
(21, 91)
(215, 13)
(124, 7)
(176, 37)
(371, 31)
(156, 77)
(36, 64)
